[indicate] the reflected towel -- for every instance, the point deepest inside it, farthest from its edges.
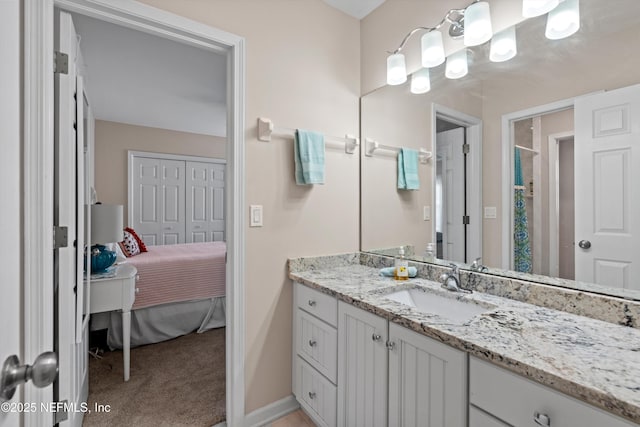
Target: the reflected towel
(408, 169)
(390, 271)
(309, 157)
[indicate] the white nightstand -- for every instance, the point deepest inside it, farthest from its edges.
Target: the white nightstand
(117, 293)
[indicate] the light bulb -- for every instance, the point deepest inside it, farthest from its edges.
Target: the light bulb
(396, 69)
(531, 8)
(564, 20)
(420, 81)
(457, 66)
(432, 49)
(503, 45)
(477, 24)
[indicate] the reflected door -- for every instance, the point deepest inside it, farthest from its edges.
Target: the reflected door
(450, 207)
(607, 173)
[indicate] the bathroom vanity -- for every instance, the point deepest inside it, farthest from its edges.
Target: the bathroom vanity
(367, 353)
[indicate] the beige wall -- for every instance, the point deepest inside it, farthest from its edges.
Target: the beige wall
(113, 140)
(303, 70)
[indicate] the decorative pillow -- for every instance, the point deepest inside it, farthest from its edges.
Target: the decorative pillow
(141, 244)
(129, 245)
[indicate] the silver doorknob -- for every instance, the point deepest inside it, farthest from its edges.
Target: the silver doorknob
(43, 373)
(584, 244)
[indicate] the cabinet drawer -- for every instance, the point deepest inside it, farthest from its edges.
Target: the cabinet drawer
(318, 344)
(321, 305)
(478, 418)
(316, 394)
(515, 400)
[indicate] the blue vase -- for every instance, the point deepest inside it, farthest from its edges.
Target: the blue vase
(101, 258)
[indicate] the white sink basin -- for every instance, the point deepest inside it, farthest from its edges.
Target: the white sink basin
(431, 303)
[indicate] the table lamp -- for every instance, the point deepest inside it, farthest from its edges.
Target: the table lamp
(106, 227)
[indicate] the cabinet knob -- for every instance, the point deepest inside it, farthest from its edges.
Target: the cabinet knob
(312, 303)
(376, 337)
(542, 419)
(391, 345)
(312, 343)
(312, 395)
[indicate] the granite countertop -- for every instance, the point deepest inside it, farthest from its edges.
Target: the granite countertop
(594, 361)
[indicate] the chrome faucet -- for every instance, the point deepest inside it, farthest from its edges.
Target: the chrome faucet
(451, 280)
(477, 266)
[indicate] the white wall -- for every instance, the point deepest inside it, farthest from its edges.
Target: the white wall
(303, 70)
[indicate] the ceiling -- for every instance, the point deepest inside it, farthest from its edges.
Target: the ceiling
(137, 78)
(356, 8)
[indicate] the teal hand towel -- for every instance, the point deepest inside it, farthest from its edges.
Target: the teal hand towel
(408, 169)
(309, 157)
(390, 271)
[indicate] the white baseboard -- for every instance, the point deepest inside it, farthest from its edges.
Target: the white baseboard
(265, 415)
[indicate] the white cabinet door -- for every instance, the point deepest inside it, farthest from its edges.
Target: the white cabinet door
(362, 368)
(204, 202)
(607, 202)
(427, 381)
(158, 200)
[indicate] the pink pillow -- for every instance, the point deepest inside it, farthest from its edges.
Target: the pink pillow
(129, 245)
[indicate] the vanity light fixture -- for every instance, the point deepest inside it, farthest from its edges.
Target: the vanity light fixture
(564, 20)
(420, 81)
(473, 24)
(532, 8)
(503, 45)
(457, 65)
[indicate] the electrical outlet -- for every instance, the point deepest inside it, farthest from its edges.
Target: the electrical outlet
(255, 216)
(426, 213)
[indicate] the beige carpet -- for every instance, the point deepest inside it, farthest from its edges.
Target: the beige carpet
(175, 383)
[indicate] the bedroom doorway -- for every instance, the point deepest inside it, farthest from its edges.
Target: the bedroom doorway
(132, 16)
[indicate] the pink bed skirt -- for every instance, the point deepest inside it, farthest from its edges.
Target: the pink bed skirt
(175, 273)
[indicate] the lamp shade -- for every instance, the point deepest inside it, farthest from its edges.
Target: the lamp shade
(396, 69)
(564, 20)
(432, 49)
(531, 8)
(420, 81)
(457, 66)
(106, 224)
(503, 45)
(477, 24)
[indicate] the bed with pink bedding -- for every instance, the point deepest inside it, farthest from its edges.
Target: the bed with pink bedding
(180, 289)
(176, 273)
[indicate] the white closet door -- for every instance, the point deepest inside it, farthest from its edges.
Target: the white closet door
(159, 195)
(204, 202)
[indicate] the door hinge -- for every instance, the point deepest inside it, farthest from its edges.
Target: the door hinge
(60, 237)
(465, 220)
(465, 148)
(61, 414)
(60, 63)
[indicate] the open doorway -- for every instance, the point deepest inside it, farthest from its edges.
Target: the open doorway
(39, 110)
(457, 185)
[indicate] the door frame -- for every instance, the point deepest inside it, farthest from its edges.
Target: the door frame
(473, 127)
(38, 172)
(554, 199)
(507, 169)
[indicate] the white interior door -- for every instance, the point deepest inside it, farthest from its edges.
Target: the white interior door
(204, 202)
(10, 259)
(449, 149)
(69, 213)
(158, 200)
(607, 173)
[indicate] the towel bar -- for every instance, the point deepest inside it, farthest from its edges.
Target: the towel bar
(371, 146)
(266, 129)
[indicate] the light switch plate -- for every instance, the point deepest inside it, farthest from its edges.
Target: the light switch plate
(426, 213)
(490, 212)
(255, 215)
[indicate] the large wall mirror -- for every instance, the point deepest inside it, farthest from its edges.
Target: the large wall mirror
(529, 165)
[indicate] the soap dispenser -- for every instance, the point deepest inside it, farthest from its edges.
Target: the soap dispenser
(401, 271)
